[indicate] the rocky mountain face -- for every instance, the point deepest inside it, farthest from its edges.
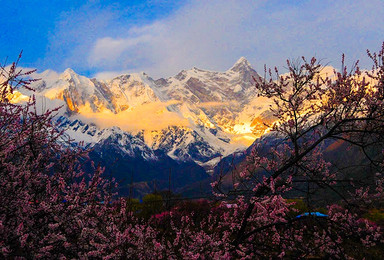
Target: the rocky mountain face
(195, 117)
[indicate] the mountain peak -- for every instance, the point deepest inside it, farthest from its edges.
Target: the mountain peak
(242, 60)
(241, 64)
(68, 74)
(69, 70)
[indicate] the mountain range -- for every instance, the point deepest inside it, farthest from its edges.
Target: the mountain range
(147, 130)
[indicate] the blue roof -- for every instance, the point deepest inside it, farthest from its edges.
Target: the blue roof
(316, 214)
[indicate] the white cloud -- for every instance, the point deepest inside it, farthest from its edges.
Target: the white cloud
(105, 75)
(107, 50)
(200, 34)
(214, 34)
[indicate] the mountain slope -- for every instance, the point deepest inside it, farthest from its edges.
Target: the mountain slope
(195, 117)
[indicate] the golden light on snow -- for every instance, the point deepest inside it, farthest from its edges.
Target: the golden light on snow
(247, 133)
(54, 93)
(243, 128)
(17, 97)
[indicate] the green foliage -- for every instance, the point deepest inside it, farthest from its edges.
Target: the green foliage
(152, 198)
(299, 205)
(152, 204)
(375, 215)
(133, 205)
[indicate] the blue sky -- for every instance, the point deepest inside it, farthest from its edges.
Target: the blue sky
(107, 38)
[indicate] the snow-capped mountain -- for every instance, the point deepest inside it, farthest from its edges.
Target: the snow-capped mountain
(196, 116)
(213, 98)
(115, 95)
(91, 135)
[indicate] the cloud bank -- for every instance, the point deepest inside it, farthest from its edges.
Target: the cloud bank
(214, 34)
(151, 116)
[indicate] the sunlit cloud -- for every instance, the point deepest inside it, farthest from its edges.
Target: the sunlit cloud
(243, 139)
(151, 116)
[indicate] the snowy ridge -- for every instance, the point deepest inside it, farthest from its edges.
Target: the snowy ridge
(211, 114)
(90, 135)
